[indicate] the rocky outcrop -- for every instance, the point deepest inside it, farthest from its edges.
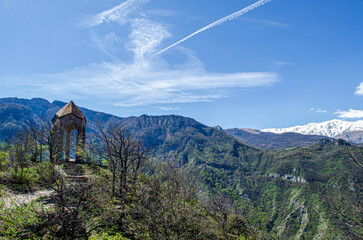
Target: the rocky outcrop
(288, 177)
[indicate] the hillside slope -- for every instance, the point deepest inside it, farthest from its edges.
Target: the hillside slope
(292, 190)
(17, 113)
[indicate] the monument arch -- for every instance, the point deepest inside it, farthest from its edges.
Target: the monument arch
(65, 121)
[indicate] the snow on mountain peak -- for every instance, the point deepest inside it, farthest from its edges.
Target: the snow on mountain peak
(330, 128)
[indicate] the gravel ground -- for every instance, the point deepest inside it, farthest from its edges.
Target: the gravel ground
(13, 200)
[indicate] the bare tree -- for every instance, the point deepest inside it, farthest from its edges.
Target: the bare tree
(18, 153)
(230, 223)
(44, 137)
(38, 133)
(124, 153)
(81, 204)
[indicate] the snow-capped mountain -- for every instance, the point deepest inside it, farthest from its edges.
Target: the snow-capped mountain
(334, 128)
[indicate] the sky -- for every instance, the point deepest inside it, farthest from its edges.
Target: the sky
(279, 64)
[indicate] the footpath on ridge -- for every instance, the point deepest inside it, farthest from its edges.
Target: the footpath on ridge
(71, 172)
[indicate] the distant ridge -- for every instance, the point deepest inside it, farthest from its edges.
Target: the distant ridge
(350, 131)
(273, 141)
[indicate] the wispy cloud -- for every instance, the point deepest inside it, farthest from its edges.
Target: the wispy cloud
(318, 110)
(145, 79)
(108, 44)
(352, 113)
(145, 36)
(145, 83)
(168, 109)
(359, 90)
(267, 22)
(116, 14)
(279, 64)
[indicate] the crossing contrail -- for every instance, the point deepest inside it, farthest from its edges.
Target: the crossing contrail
(219, 22)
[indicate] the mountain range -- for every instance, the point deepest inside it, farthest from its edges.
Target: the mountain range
(290, 192)
(350, 131)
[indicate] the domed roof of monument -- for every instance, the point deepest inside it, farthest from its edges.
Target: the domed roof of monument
(70, 108)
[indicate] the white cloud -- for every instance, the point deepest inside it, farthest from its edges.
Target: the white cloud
(149, 82)
(352, 113)
(168, 109)
(279, 64)
(145, 36)
(144, 79)
(359, 90)
(116, 14)
(318, 110)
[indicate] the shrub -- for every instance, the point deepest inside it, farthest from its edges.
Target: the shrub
(106, 236)
(16, 221)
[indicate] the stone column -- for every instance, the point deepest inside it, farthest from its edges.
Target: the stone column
(81, 143)
(59, 143)
(68, 144)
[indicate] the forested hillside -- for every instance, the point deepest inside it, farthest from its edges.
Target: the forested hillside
(310, 192)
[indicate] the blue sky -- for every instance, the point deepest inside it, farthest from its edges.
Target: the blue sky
(285, 63)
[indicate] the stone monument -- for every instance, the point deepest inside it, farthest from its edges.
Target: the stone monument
(66, 120)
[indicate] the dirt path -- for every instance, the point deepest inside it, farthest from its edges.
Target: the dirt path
(14, 200)
(71, 172)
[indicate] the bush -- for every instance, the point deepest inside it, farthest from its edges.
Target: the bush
(28, 177)
(106, 236)
(3, 156)
(16, 221)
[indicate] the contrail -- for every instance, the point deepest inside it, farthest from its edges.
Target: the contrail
(219, 22)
